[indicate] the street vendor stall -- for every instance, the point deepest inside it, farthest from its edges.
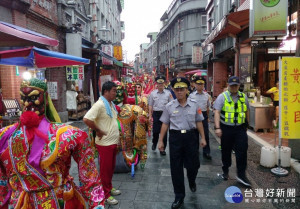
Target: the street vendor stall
(33, 57)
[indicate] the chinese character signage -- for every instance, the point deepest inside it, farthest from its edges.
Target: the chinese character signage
(118, 53)
(107, 49)
(75, 73)
(52, 89)
(268, 18)
(289, 114)
(197, 55)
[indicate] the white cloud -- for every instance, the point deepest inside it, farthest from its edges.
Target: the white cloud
(141, 17)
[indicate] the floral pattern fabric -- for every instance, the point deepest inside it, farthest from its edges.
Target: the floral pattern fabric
(63, 143)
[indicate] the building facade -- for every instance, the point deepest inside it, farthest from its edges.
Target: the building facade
(183, 26)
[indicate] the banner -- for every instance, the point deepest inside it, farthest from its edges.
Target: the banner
(118, 53)
(107, 49)
(289, 98)
(172, 63)
(268, 18)
(197, 55)
(75, 73)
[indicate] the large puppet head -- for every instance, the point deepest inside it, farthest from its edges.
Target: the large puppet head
(120, 92)
(130, 88)
(35, 98)
(139, 89)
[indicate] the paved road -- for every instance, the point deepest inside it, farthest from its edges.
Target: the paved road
(152, 187)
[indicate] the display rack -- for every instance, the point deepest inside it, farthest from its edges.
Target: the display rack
(82, 104)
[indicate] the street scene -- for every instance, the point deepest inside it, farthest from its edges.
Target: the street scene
(137, 104)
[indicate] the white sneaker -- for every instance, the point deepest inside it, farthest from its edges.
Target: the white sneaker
(111, 201)
(115, 192)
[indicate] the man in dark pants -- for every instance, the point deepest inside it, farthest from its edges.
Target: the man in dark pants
(184, 117)
(231, 113)
(203, 99)
(157, 101)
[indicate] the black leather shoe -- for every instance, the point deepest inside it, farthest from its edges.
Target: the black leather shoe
(193, 187)
(153, 147)
(224, 176)
(163, 153)
(207, 156)
(177, 203)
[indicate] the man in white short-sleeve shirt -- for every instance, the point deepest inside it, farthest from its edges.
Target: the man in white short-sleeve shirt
(102, 118)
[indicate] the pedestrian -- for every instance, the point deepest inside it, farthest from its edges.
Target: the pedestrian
(35, 158)
(102, 118)
(158, 99)
(275, 92)
(183, 115)
(203, 99)
(231, 113)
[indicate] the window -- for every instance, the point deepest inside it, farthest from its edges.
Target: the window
(203, 20)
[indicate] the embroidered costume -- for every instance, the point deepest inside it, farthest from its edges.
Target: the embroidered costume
(35, 158)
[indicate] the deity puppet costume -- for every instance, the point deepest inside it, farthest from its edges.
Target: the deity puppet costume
(35, 158)
(120, 94)
(133, 136)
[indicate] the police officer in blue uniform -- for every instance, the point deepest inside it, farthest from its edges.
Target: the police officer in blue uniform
(203, 99)
(157, 100)
(231, 113)
(184, 117)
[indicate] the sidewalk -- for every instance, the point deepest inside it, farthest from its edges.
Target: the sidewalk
(152, 188)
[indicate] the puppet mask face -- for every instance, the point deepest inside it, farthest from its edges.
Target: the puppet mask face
(130, 89)
(138, 89)
(33, 100)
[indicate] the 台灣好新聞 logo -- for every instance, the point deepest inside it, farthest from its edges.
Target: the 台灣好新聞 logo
(233, 195)
(269, 3)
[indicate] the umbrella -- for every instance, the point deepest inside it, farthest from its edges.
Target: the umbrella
(197, 72)
(39, 58)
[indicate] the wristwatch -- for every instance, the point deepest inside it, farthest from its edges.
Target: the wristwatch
(217, 128)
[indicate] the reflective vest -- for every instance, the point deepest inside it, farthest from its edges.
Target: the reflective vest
(233, 113)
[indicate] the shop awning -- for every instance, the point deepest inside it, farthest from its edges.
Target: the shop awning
(231, 25)
(13, 35)
(39, 58)
(115, 61)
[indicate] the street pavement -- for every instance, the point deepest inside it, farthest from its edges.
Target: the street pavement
(152, 187)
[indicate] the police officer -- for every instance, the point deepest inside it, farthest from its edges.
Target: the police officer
(203, 99)
(183, 115)
(192, 84)
(157, 100)
(231, 113)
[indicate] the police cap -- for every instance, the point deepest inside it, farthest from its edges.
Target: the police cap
(180, 82)
(160, 79)
(199, 79)
(233, 80)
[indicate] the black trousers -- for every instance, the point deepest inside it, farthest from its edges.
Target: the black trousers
(234, 137)
(206, 149)
(156, 128)
(184, 152)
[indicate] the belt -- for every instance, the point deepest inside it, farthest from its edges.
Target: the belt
(158, 111)
(182, 131)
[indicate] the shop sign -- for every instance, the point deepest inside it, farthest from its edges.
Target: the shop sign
(75, 73)
(172, 63)
(245, 68)
(118, 53)
(289, 98)
(52, 89)
(107, 49)
(268, 18)
(197, 55)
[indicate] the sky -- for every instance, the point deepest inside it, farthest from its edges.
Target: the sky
(141, 17)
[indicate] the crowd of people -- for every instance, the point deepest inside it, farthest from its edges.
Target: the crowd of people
(35, 153)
